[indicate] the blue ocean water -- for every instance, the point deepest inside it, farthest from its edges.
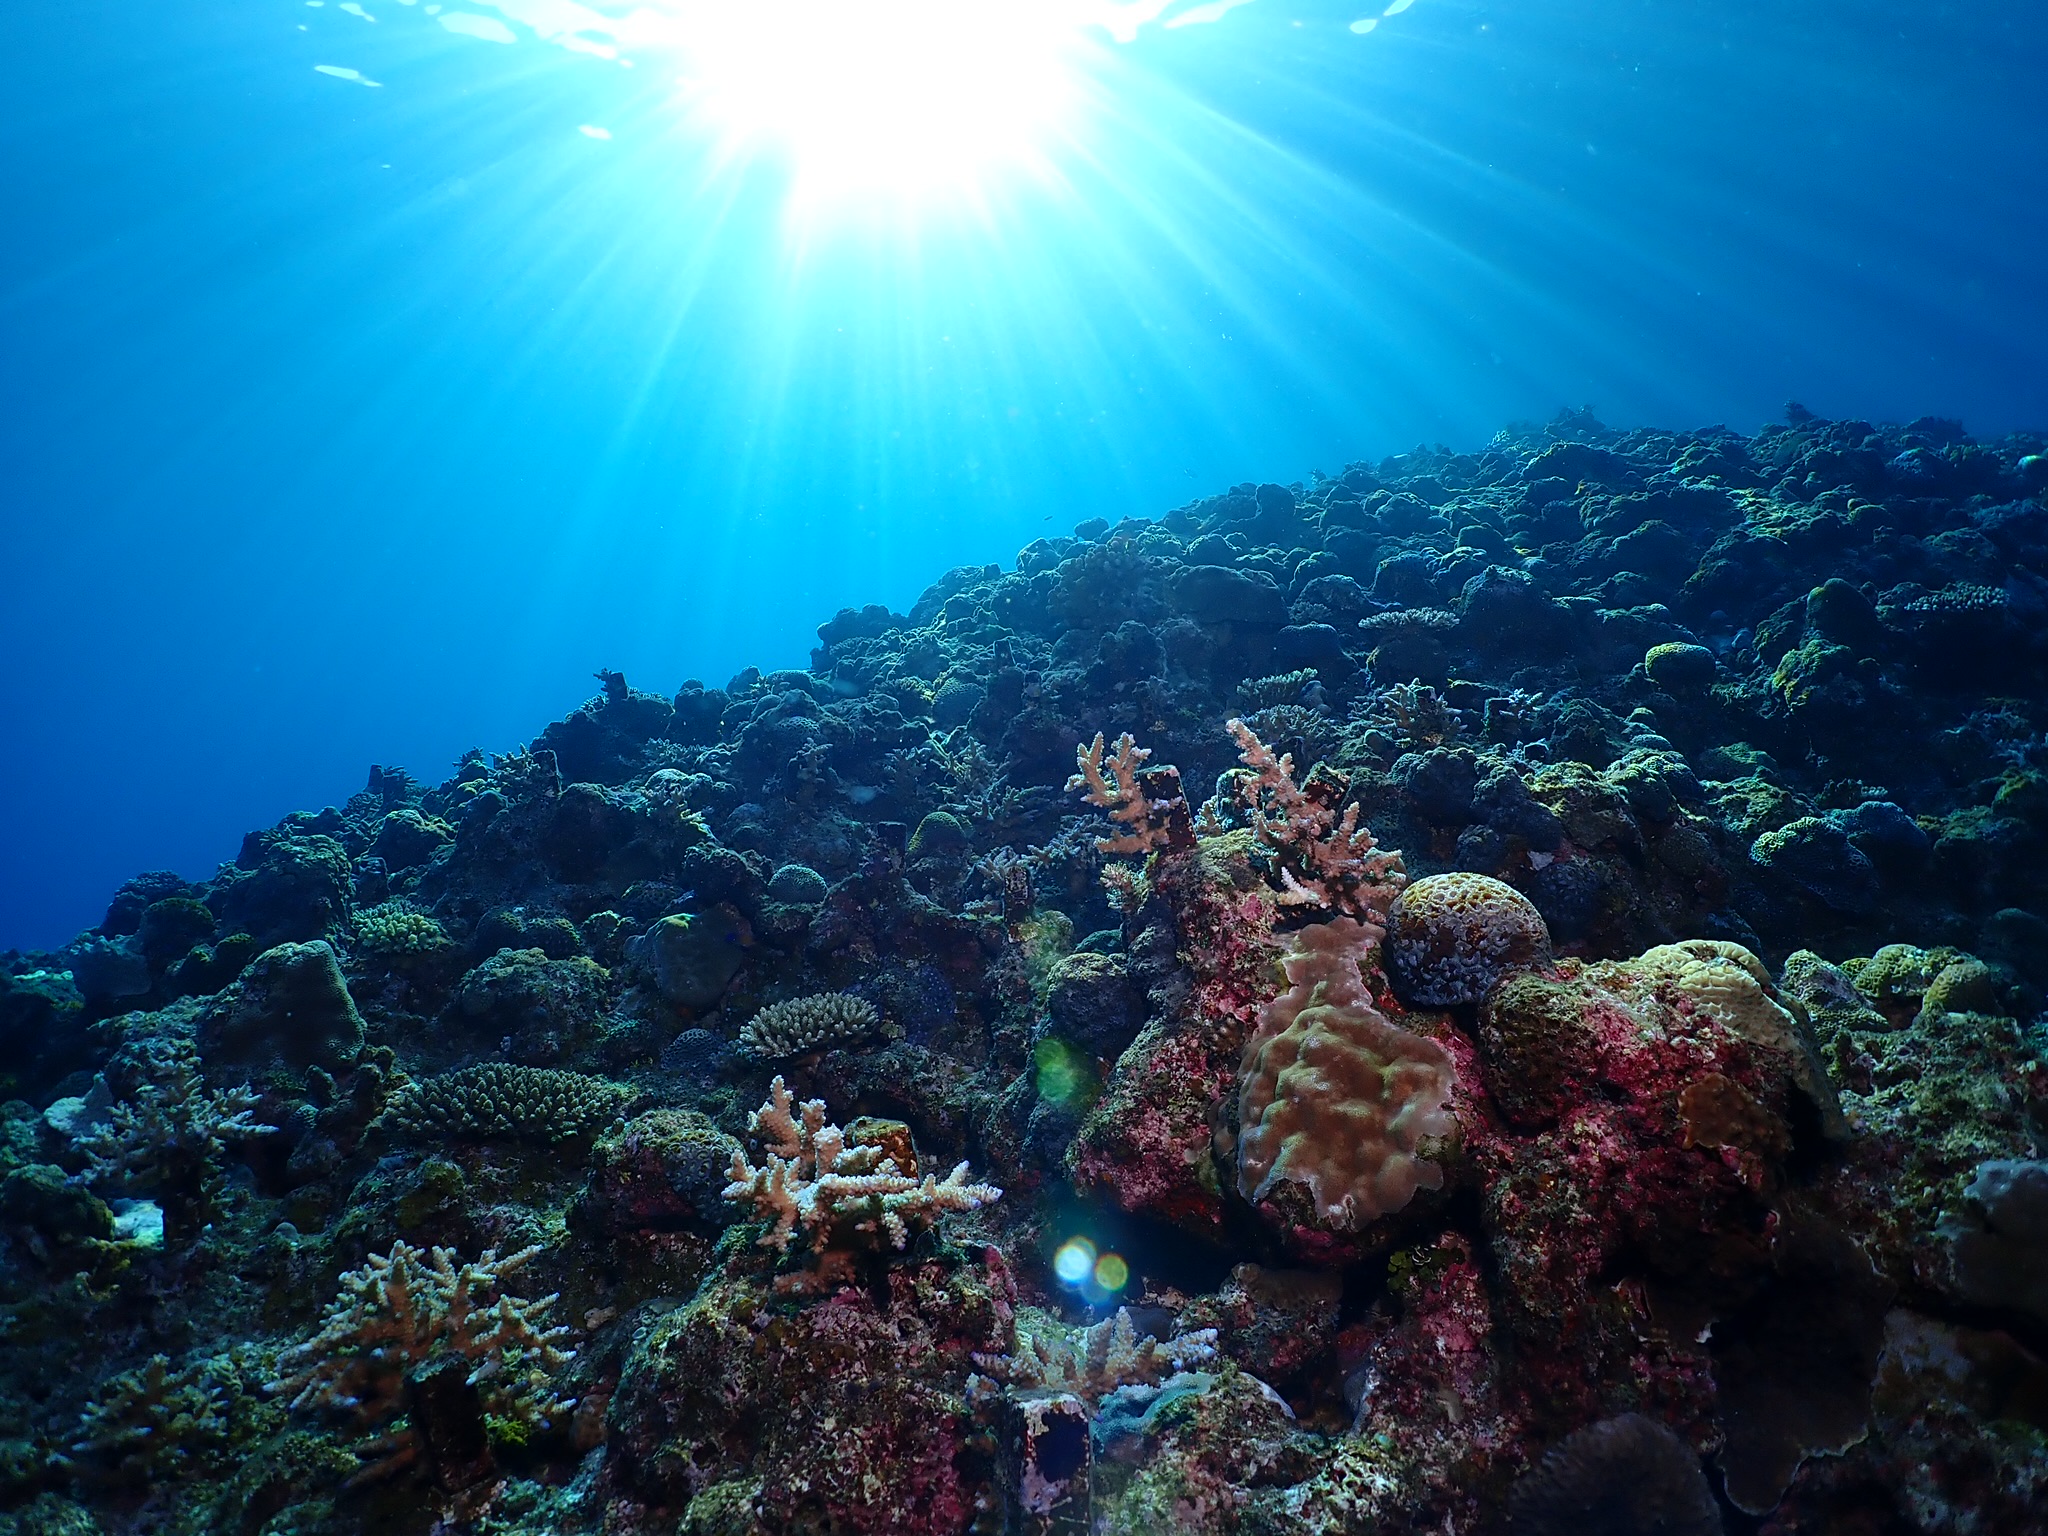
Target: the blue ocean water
(371, 374)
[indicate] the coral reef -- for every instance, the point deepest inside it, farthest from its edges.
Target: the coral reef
(1676, 1098)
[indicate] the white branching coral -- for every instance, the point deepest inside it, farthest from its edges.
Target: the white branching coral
(1151, 821)
(814, 1176)
(803, 1024)
(399, 1316)
(1324, 857)
(1093, 1362)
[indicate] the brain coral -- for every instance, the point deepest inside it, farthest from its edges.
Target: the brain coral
(1334, 1096)
(1626, 1476)
(1451, 937)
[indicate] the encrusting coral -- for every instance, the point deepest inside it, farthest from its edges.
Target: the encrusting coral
(1334, 1095)
(500, 1101)
(803, 1024)
(1094, 1361)
(404, 1319)
(816, 1177)
(1153, 822)
(1325, 858)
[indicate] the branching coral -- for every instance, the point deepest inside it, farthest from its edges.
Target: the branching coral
(499, 1101)
(165, 1138)
(1325, 858)
(1153, 820)
(1092, 1362)
(1334, 1096)
(154, 1422)
(408, 1317)
(816, 1177)
(804, 1024)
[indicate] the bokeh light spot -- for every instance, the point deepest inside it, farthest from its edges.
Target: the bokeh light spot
(1074, 1263)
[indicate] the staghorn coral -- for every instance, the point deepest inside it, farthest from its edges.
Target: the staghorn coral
(1159, 821)
(1094, 1361)
(500, 1101)
(160, 1421)
(1334, 1096)
(408, 1318)
(1451, 938)
(818, 1178)
(166, 1136)
(804, 1024)
(1324, 858)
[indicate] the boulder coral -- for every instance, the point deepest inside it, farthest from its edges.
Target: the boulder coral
(1452, 938)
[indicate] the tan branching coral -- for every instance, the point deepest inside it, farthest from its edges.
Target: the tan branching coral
(819, 1177)
(499, 1101)
(1092, 1362)
(403, 1315)
(804, 1024)
(1334, 1096)
(1325, 859)
(1127, 793)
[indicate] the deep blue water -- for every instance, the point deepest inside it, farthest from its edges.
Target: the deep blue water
(343, 423)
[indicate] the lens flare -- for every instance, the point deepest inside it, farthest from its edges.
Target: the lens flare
(1112, 1273)
(1074, 1263)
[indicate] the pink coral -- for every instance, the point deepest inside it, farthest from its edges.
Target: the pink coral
(1147, 802)
(1325, 858)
